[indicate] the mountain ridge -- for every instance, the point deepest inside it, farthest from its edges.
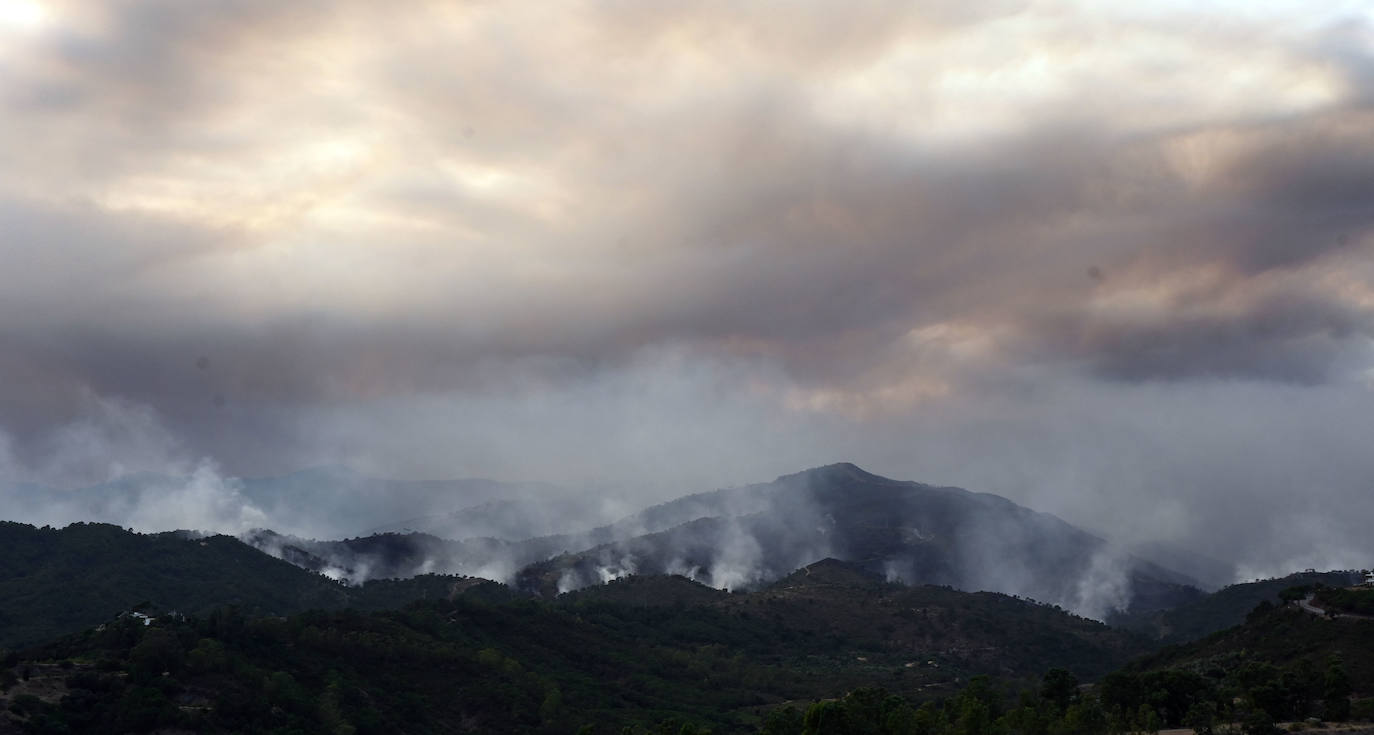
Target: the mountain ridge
(903, 530)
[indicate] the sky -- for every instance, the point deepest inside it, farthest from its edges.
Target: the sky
(1114, 261)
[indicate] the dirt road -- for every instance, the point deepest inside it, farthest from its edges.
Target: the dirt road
(1306, 604)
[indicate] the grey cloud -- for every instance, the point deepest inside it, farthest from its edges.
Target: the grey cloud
(1346, 45)
(79, 259)
(985, 244)
(1299, 340)
(144, 59)
(821, 265)
(820, 234)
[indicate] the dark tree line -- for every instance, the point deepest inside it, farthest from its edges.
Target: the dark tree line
(1255, 696)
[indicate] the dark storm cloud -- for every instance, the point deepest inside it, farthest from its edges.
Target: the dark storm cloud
(1273, 275)
(1277, 339)
(753, 223)
(853, 257)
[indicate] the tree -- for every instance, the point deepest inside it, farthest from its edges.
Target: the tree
(1202, 717)
(1059, 687)
(1147, 719)
(974, 717)
(783, 721)
(159, 651)
(1085, 717)
(826, 718)
(552, 705)
(1336, 690)
(1258, 722)
(930, 719)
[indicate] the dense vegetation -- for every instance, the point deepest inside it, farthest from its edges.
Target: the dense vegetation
(1284, 663)
(262, 646)
(1224, 608)
(601, 667)
(983, 632)
(1251, 700)
(437, 666)
(56, 581)
(613, 658)
(648, 655)
(1343, 601)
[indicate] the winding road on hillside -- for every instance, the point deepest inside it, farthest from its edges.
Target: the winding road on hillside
(1306, 604)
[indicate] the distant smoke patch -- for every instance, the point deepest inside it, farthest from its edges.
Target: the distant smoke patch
(897, 572)
(205, 501)
(140, 477)
(1104, 588)
(609, 571)
(500, 570)
(683, 569)
(1323, 543)
(567, 582)
(739, 562)
(338, 575)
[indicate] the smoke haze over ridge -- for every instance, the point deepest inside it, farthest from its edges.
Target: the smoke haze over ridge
(1111, 261)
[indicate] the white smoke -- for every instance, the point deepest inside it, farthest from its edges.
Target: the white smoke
(896, 571)
(337, 574)
(567, 582)
(739, 561)
(1314, 530)
(1104, 588)
(681, 568)
(135, 473)
(610, 571)
(204, 501)
(500, 570)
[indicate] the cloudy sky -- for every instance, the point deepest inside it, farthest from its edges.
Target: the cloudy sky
(1112, 260)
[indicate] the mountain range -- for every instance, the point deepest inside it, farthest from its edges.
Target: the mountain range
(741, 538)
(721, 608)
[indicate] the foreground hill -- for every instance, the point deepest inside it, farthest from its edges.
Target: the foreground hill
(56, 581)
(635, 652)
(983, 632)
(665, 654)
(1222, 609)
(1283, 663)
(1284, 636)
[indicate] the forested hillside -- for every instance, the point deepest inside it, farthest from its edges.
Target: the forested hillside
(609, 659)
(1224, 608)
(55, 581)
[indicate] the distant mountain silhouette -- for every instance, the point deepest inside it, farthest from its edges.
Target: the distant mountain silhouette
(745, 537)
(901, 531)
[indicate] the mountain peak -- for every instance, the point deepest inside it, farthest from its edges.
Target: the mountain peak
(836, 471)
